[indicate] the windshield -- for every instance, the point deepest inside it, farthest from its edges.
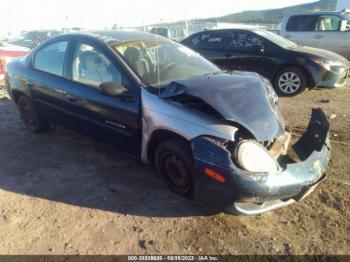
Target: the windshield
(159, 62)
(347, 16)
(276, 39)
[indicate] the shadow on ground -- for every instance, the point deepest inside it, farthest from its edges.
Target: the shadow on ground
(66, 167)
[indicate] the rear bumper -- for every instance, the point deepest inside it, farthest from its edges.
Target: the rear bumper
(247, 193)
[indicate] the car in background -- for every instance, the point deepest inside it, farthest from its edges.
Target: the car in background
(31, 39)
(162, 31)
(174, 34)
(289, 66)
(326, 30)
(217, 137)
(7, 53)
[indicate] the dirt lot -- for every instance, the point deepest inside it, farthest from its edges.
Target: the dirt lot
(61, 193)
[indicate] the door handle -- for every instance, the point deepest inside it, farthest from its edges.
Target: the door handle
(317, 36)
(72, 98)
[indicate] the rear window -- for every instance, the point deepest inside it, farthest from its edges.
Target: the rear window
(50, 59)
(209, 40)
(302, 23)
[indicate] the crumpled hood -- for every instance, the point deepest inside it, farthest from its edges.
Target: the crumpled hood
(243, 98)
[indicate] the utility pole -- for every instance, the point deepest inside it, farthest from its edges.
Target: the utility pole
(186, 21)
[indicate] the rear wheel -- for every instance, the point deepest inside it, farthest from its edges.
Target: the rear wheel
(174, 163)
(290, 82)
(30, 116)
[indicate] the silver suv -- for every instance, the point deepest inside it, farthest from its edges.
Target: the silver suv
(326, 30)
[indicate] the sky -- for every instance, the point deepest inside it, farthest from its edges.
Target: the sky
(17, 15)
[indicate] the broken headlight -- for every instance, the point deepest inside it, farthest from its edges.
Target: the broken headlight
(253, 157)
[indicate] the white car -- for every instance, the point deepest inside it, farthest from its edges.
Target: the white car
(325, 30)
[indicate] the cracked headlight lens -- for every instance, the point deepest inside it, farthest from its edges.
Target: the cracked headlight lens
(254, 157)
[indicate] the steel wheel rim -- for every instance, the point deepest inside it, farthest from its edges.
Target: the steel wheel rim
(289, 82)
(28, 115)
(177, 172)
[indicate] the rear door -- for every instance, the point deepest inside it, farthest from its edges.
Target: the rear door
(242, 52)
(46, 80)
(211, 45)
(301, 29)
(110, 119)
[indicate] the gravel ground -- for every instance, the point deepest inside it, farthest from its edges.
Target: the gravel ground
(61, 193)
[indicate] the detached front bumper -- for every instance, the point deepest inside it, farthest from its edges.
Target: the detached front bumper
(247, 193)
(331, 79)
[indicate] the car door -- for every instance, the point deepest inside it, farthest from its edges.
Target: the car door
(110, 119)
(211, 45)
(301, 29)
(329, 35)
(245, 51)
(46, 81)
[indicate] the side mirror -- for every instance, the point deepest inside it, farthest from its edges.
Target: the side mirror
(259, 49)
(112, 89)
(345, 26)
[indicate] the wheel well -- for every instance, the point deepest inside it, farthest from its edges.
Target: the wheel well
(310, 80)
(16, 94)
(158, 137)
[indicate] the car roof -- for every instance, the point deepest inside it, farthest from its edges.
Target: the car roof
(230, 29)
(116, 36)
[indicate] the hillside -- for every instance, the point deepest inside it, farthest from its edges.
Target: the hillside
(273, 16)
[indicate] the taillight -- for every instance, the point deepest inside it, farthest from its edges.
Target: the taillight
(2, 69)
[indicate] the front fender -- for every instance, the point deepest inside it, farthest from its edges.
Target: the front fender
(163, 114)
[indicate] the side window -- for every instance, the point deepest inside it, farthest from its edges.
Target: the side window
(50, 59)
(90, 66)
(243, 41)
(302, 23)
(328, 23)
(208, 40)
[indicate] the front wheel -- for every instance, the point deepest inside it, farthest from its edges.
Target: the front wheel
(30, 116)
(290, 82)
(174, 163)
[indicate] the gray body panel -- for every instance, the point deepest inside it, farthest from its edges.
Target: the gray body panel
(162, 114)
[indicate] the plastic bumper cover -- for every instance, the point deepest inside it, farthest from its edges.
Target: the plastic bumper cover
(247, 193)
(334, 79)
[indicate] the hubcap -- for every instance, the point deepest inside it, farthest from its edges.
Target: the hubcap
(177, 171)
(289, 82)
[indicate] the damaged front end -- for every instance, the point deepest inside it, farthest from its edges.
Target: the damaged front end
(244, 161)
(299, 169)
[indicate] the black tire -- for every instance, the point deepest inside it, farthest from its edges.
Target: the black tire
(30, 116)
(174, 163)
(290, 81)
